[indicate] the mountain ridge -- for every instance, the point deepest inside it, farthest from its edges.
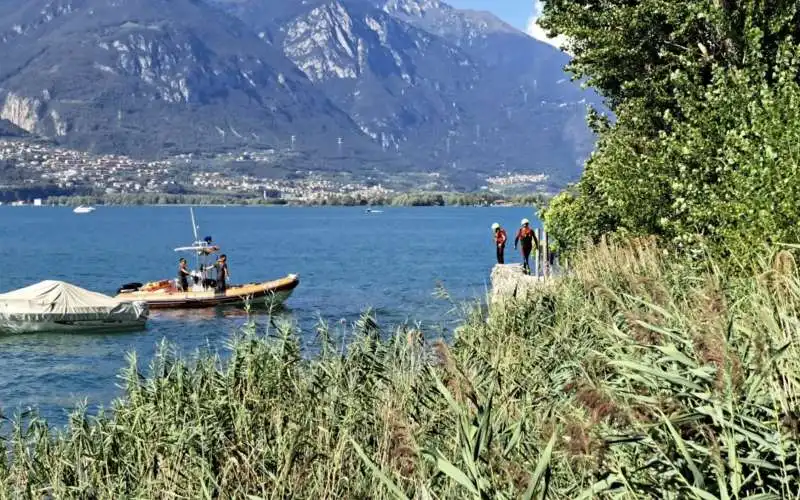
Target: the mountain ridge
(513, 70)
(404, 84)
(160, 61)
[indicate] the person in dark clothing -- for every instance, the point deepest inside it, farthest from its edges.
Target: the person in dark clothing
(500, 239)
(222, 274)
(527, 237)
(183, 275)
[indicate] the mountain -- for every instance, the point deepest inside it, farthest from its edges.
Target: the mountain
(457, 90)
(149, 77)
(352, 85)
(400, 84)
(512, 57)
(523, 76)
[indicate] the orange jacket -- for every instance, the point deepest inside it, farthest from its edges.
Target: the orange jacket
(527, 236)
(500, 237)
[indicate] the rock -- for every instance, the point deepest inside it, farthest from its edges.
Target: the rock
(508, 281)
(21, 111)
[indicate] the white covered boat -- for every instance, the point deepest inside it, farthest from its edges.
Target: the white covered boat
(56, 306)
(83, 210)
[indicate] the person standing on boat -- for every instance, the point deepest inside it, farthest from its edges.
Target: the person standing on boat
(527, 237)
(222, 274)
(183, 275)
(500, 239)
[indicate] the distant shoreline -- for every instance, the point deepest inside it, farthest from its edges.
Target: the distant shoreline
(264, 205)
(298, 205)
(400, 200)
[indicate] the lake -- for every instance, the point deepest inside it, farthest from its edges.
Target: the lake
(392, 262)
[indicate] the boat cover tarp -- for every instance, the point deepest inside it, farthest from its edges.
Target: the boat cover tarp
(57, 300)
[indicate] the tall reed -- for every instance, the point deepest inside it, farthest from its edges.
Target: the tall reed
(633, 377)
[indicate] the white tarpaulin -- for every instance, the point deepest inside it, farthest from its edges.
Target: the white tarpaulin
(50, 301)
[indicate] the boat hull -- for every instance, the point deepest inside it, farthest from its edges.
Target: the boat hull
(271, 294)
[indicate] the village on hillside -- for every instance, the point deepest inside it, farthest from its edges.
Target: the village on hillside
(115, 174)
(50, 170)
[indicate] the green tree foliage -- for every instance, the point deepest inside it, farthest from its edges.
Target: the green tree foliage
(631, 51)
(705, 147)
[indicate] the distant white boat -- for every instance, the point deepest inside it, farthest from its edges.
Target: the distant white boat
(371, 211)
(83, 210)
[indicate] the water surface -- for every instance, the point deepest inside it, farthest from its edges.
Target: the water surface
(348, 261)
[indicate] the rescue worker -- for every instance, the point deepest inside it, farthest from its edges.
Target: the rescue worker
(222, 274)
(500, 239)
(527, 237)
(183, 275)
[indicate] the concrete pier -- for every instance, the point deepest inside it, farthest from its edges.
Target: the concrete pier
(509, 281)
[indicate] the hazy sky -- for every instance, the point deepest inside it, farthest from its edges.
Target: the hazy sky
(514, 12)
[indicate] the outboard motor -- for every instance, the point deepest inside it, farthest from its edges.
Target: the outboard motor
(129, 287)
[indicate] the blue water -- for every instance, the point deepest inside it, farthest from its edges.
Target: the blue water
(347, 260)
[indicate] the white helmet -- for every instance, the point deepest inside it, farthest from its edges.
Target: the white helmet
(495, 226)
(525, 221)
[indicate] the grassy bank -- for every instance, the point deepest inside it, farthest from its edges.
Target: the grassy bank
(635, 377)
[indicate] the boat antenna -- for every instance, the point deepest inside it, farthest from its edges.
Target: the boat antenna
(194, 224)
(200, 263)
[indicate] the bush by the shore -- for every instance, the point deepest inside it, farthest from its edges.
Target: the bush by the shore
(633, 377)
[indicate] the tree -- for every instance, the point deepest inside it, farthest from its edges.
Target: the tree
(705, 145)
(639, 54)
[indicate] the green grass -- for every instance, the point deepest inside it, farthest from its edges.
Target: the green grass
(634, 377)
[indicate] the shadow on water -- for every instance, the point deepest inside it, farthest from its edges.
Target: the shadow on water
(64, 343)
(256, 311)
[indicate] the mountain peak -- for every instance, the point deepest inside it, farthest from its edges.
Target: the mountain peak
(444, 20)
(411, 7)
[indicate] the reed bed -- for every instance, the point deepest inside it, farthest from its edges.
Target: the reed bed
(633, 377)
